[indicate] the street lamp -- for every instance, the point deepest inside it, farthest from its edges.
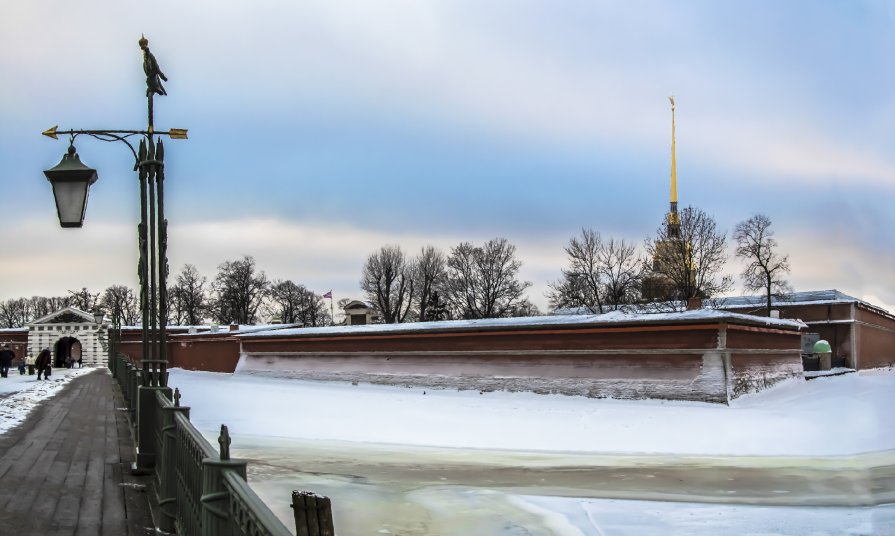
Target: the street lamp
(71, 181)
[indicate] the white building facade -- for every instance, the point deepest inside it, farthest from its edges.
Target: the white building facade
(70, 334)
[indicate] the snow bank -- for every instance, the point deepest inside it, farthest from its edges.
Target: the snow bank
(19, 394)
(839, 415)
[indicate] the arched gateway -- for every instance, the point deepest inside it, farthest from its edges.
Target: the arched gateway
(69, 332)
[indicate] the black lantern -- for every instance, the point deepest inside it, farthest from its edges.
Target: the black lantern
(71, 182)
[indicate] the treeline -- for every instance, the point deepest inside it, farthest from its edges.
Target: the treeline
(239, 293)
(685, 259)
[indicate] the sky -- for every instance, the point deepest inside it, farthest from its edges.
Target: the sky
(323, 130)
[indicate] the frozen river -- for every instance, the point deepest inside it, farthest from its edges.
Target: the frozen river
(378, 489)
(795, 460)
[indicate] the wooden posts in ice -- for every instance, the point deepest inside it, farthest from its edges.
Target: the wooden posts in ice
(313, 514)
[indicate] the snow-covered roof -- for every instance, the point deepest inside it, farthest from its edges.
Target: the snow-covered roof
(756, 302)
(357, 304)
(84, 316)
(613, 318)
(242, 329)
(812, 297)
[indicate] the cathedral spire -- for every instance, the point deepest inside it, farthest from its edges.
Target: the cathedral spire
(674, 220)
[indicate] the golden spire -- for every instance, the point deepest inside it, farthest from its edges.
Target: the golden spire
(673, 162)
(674, 220)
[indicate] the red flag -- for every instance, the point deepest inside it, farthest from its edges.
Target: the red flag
(328, 295)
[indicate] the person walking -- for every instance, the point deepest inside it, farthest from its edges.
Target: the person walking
(29, 362)
(6, 357)
(43, 363)
(20, 361)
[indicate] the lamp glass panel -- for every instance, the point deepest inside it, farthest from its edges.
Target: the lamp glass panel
(71, 202)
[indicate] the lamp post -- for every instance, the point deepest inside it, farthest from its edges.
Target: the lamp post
(71, 181)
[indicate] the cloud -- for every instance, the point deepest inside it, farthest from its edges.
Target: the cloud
(587, 84)
(820, 260)
(768, 148)
(50, 261)
(499, 70)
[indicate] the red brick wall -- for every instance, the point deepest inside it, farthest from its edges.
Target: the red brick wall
(214, 354)
(875, 339)
(711, 361)
(17, 341)
(668, 361)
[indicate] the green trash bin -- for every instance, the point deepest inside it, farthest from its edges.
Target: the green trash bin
(824, 353)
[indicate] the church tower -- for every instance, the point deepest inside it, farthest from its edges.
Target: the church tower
(669, 248)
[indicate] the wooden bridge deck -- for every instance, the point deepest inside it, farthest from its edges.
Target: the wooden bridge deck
(66, 468)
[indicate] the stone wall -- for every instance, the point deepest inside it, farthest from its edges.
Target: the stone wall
(712, 361)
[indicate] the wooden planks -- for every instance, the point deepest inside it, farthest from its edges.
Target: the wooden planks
(65, 469)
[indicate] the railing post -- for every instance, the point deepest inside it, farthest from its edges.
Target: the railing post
(215, 516)
(148, 424)
(118, 365)
(120, 371)
(313, 514)
(134, 381)
(167, 471)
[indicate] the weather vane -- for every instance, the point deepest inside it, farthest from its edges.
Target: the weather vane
(154, 74)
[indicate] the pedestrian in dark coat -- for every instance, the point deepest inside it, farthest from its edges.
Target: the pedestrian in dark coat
(43, 363)
(6, 357)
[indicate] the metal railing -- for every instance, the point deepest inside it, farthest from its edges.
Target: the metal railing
(199, 490)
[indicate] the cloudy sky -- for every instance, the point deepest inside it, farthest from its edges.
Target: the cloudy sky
(321, 130)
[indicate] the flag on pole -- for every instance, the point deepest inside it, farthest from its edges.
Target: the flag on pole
(332, 309)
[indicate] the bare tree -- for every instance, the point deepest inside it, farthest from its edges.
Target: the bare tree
(436, 309)
(388, 282)
(122, 304)
(189, 302)
(42, 306)
(525, 308)
(482, 281)
(238, 291)
(581, 284)
(430, 271)
(766, 268)
(312, 310)
(621, 270)
(84, 300)
(688, 259)
(15, 313)
(295, 304)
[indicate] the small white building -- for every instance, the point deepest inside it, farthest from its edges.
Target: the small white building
(358, 313)
(69, 332)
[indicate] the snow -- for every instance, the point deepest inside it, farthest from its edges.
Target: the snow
(612, 318)
(653, 518)
(828, 416)
(836, 416)
(823, 422)
(20, 394)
